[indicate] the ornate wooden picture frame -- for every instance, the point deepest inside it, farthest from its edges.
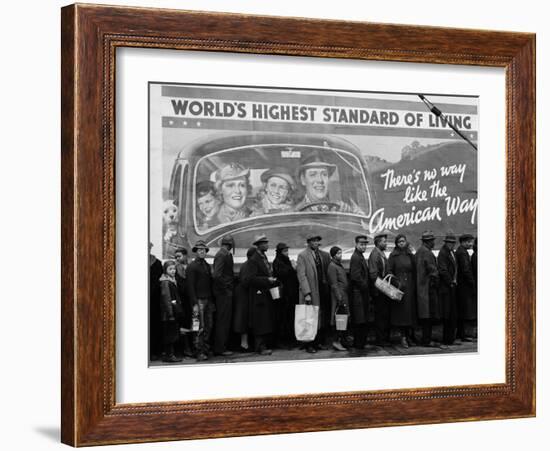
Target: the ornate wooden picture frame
(90, 37)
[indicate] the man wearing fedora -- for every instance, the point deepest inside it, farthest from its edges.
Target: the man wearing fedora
(232, 185)
(199, 290)
(378, 268)
(260, 280)
(311, 269)
(446, 264)
(223, 284)
(427, 281)
(276, 195)
(466, 299)
(314, 174)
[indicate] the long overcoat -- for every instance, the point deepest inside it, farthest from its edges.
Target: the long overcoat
(308, 280)
(261, 308)
(359, 303)
(466, 298)
(241, 300)
(401, 265)
(446, 265)
(427, 279)
(339, 287)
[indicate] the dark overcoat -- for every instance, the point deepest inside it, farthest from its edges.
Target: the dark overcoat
(286, 306)
(223, 275)
(181, 281)
(155, 331)
(261, 312)
(361, 311)
(446, 265)
(199, 281)
(241, 300)
(466, 298)
(169, 292)
(427, 279)
(339, 287)
(401, 265)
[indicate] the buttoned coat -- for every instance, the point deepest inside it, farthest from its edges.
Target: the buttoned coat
(261, 312)
(360, 309)
(307, 274)
(223, 275)
(339, 287)
(466, 298)
(446, 265)
(427, 279)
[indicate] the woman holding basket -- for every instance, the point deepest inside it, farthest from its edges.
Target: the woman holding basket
(403, 313)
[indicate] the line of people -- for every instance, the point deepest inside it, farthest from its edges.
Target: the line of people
(201, 307)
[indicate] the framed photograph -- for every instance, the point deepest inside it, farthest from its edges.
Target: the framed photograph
(279, 225)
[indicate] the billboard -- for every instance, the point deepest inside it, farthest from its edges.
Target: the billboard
(291, 162)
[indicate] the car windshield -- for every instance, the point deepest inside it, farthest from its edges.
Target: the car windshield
(243, 183)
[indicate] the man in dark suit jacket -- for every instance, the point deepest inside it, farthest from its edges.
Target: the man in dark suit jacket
(446, 265)
(360, 296)
(199, 290)
(223, 279)
(260, 280)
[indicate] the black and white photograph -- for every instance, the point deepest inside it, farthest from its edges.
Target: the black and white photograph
(290, 224)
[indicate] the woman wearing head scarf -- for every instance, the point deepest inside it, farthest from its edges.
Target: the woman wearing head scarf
(403, 313)
(284, 271)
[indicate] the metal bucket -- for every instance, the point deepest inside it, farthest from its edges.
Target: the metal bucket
(275, 292)
(341, 321)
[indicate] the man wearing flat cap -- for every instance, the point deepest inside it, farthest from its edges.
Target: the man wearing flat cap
(199, 290)
(466, 298)
(427, 281)
(314, 174)
(446, 264)
(276, 195)
(223, 284)
(232, 185)
(378, 268)
(311, 269)
(260, 280)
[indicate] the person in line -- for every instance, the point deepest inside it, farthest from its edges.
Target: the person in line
(181, 280)
(155, 323)
(311, 269)
(171, 311)
(446, 264)
(361, 311)
(466, 298)
(241, 301)
(403, 313)
(427, 281)
(285, 273)
(339, 287)
(378, 268)
(233, 187)
(260, 280)
(199, 290)
(223, 279)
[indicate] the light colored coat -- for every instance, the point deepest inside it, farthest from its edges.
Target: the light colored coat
(307, 275)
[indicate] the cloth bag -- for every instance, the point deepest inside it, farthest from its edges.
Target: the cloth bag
(306, 319)
(388, 289)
